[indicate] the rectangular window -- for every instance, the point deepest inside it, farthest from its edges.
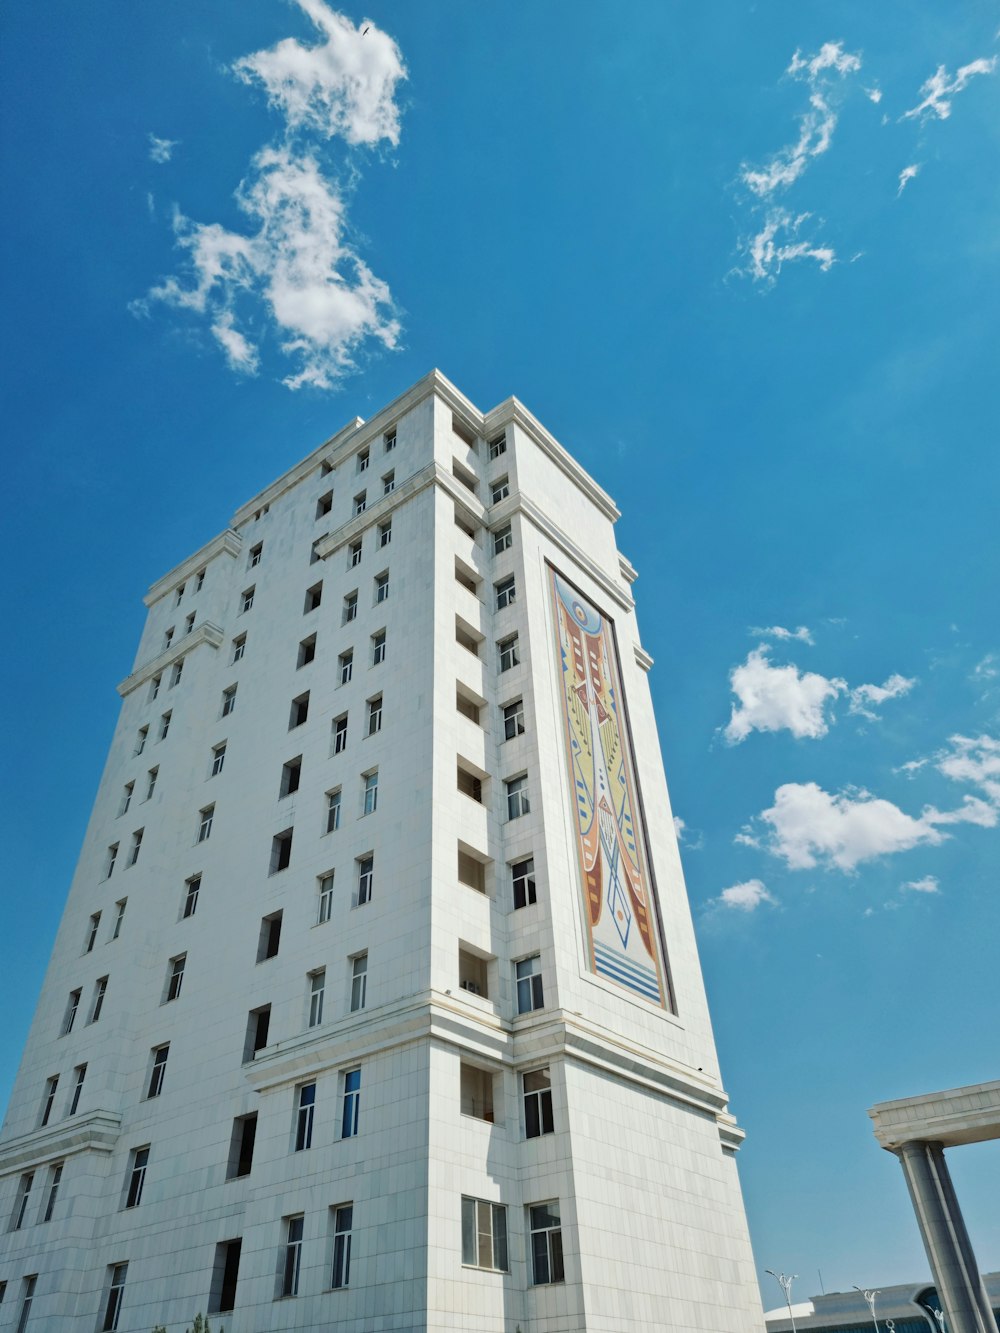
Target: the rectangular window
(157, 1070)
(293, 1256)
(497, 446)
(179, 595)
(228, 700)
(136, 845)
(140, 740)
(546, 1244)
(258, 1027)
(388, 483)
(469, 784)
(200, 582)
(269, 938)
(225, 1275)
(218, 759)
(506, 593)
(360, 503)
(255, 553)
(381, 588)
(509, 653)
(499, 490)
(352, 1104)
(97, 1004)
(374, 715)
(324, 504)
(378, 647)
(126, 798)
(517, 797)
(246, 601)
(168, 638)
(317, 989)
(291, 776)
(175, 978)
(241, 1146)
(151, 777)
(473, 973)
(366, 876)
(136, 1177)
(346, 661)
(471, 871)
(339, 725)
(350, 607)
(385, 532)
(28, 1295)
(325, 898)
(299, 711)
(343, 1218)
(176, 673)
(92, 929)
(71, 1008)
(164, 726)
(307, 651)
(476, 1092)
(21, 1201)
(112, 858)
(205, 817)
(389, 440)
(333, 810)
(466, 577)
(371, 793)
(359, 982)
(192, 887)
(354, 550)
(513, 719)
(55, 1178)
(48, 1101)
(463, 475)
(188, 627)
(116, 1294)
(304, 1111)
(314, 597)
(281, 851)
(364, 458)
(528, 975)
(523, 879)
(537, 1103)
(484, 1234)
(79, 1074)
(465, 636)
(120, 906)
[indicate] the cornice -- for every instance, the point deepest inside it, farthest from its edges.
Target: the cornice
(642, 658)
(294, 475)
(227, 542)
(627, 570)
(95, 1131)
(555, 534)
(206, 632)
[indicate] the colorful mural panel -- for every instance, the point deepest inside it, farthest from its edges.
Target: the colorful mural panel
(617, 893)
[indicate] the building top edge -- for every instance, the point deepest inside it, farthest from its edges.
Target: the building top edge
(225, 541)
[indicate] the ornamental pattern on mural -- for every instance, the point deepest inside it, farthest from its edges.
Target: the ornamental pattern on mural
(618, 907)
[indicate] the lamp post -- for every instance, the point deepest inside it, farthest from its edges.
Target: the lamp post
(785, 1283)
(870, 1300)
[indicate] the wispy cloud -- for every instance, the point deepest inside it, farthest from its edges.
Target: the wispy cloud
(928, 884)
(295, 273)
(865, 698)
(690, 839)
(906, 175)
(777, 244)
(973, 759)
(874, 94)
(940, 88)
(803, 634)
(745, 897)
(778, 698)
(161, 150)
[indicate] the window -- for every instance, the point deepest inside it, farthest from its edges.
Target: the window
(537, 1103)
(291, 776)
(324, 504)
(246, 602)
(339, 726)
(255, 553)
(346, 661)
(360, 503)
(112, 858)
(513, 720)
(192, 888)
(366, 875)
(466, 577)
(80, 1073)
(374, 715)
(352, 1104)
(179, 595)
(350, 607)
(188, 626)
(465, 522)
(388, 483)
(205, 817)
(333, 810)
(168, 638)
(281, 851)
(381, 587)
(270, 937)
(476, 1092)
(364, 458)
(136, 845)
(258, 1027)
(317, 989)
(359, 982)
(523, 879)
(343, 1219)
(466, 636)
(497, 446)
(389, 440)
(116, 1293)
(176, 673)
(378, 647)
(469, 784)
(26, 1299)
(471, 871)
(200, 581)
(136, 1176)
(239, 647)
(218, 759)
(164, 726)
(55, 1177)
(293, 1256)
(324, 892)
(546, 1244)
(473, 974)
(241, 1146)
(528, 974)
(385, 532)
(463, 475)
(151, 777)
(92, 929)
(21, 1202)
(503, 539)
(157, 1070)
(140, 740)
(299, 711)
(509, 653)
(506, 593)
(517, 797)
(370, 793)
(51, 1085)
(97, 1004)
(228, 700)
(71, 1008)
(484, 1234)
(314, 596)
(499, 490)
(355, 553)
(307, 651)
(175, 977)
(225, 1275)
(154, 687)
(467, 705)
(305, 1109)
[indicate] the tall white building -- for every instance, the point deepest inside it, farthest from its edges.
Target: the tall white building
(376, 1002)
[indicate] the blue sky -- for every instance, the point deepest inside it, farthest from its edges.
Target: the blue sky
(743, 261)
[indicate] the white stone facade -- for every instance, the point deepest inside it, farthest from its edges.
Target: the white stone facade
(391, 992)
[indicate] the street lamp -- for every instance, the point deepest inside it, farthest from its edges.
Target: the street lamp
(785, 1283)
(870, 1300)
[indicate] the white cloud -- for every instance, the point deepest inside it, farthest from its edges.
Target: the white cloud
(986, 669)
(776, 244)
(864, 698)
(679, 828)
(906, 175)
(975, 760)
(692, 839)
(771, 698)
(344, 85)
(161, 150)
(874, 94)
(940, 88)
(779, 632)
(746, 897)
(926, 885)
(831, 55)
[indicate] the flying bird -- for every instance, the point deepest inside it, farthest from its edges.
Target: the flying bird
(366, 29)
